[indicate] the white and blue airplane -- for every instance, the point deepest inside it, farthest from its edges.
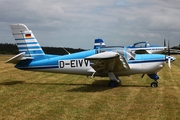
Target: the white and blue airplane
(146, 47)
(139, 48)
(111, 62)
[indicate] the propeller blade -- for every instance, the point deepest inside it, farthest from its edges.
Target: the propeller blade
(165, 48)
(164, 43)
(169, 57)
(169, 62)
(168, 48)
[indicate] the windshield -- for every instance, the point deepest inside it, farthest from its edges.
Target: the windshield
(122, 51)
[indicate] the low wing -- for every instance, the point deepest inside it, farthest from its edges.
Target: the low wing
(18, 58)
(108, 62)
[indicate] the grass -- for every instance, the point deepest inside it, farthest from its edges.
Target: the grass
(37, 95)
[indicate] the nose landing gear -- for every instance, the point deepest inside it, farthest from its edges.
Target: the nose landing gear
(155, 77)
(154, 84)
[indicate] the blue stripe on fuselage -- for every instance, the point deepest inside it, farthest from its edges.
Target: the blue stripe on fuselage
(52, 60)
(145, 61)
(146, 58)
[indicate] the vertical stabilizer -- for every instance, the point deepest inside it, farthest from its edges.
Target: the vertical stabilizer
(25, 40)
(98, 43)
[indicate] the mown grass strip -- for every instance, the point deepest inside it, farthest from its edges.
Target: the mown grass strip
(38, 95)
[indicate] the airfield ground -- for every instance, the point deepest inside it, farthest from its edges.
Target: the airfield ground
(49, 96)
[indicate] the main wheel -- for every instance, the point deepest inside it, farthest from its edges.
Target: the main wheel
(154, 84)
(113, 84)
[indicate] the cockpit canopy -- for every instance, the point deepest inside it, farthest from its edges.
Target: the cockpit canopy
(141, 44)
(129, 55)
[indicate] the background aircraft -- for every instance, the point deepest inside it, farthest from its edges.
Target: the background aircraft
(109, 62)
(139, 48)
(146, 47)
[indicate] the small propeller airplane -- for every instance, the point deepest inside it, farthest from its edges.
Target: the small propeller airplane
(139, 47)
(105, 61)
(145, 48)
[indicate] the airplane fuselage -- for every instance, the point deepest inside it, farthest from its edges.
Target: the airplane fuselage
(76, 64)
(150, 50)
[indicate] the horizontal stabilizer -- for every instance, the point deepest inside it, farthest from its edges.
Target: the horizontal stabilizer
(18, 58)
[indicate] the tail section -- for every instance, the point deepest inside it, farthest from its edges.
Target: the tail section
(98, 43)
(26, 41)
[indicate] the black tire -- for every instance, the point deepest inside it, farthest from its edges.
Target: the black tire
(154, 84)
(113, 84)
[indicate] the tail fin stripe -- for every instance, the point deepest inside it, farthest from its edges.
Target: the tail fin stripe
(23, 41)
(24, 50)
(27, 43)
(30, 47)
(24, 38)
(21, 50)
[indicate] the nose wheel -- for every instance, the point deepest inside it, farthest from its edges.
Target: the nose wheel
(154, 84)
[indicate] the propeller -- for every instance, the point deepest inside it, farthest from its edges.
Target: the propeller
(165, 48)
(169, 57)
(164, 43)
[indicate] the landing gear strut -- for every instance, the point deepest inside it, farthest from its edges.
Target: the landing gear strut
(114, 81)
(155, 77)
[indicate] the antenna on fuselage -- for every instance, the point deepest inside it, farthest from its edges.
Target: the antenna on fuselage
(65, 50)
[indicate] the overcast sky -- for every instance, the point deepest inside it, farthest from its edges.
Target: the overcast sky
(76, 23)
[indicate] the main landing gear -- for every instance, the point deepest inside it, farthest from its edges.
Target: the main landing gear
(114, 81)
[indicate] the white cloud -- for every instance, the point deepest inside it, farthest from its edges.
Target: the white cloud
(77, 23)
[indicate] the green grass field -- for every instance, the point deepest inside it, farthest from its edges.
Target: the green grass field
(48, 96)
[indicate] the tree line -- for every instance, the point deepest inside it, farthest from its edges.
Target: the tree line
(8, 48)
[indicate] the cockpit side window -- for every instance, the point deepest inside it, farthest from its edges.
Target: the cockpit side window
(139, 45)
